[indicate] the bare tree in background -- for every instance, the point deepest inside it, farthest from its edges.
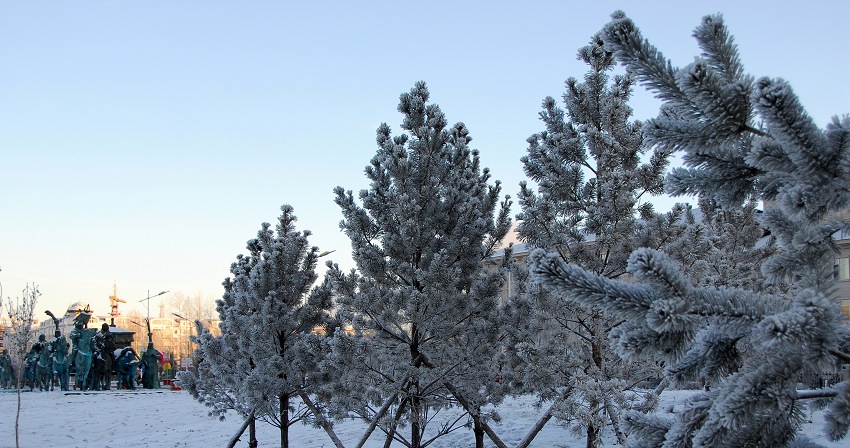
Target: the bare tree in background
(194, 307)
(19, 336)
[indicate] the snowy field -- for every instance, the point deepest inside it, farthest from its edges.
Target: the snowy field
(165, 418)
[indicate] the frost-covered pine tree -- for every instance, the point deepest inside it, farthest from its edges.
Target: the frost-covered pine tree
(724, 246)
(590, 179)
(258, 365)
(741, 139)
(420, 302)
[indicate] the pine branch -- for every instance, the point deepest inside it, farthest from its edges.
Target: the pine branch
(843, 357)
(817, 393)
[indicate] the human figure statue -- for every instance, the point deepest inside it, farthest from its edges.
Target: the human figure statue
(103, 352)
(81, 338)
(125, 365)
(59, 350)
(30, 364)
(44, 368)
(150, 377)
(7, 375)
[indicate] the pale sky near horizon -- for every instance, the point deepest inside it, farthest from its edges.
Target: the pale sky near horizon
(143, 143)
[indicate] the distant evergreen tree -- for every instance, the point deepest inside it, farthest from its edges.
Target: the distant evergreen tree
(725, 247)
(420, 301)
(270, 306)
(590, 179)
(742, 139)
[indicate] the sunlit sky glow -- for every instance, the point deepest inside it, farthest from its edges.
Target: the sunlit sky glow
(144, 142)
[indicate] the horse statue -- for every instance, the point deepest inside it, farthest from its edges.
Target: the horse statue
(43, 366)
(126, 363)
(82, 337)
(104, 348)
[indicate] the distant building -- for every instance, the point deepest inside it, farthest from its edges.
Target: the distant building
(519, 253)
(842, 274)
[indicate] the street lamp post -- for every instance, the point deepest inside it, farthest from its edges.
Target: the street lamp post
(188, 351)
(150, 335)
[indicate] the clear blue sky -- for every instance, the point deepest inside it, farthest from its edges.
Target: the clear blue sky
(144, 142)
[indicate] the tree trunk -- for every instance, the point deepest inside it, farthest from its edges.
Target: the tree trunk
(487, 429)
(538, 426)
(413, 391)
(614, 416)
(18, 417)
(252, 433)
(248, 422)
(593, 433)
(415, 411)
(378, 417)
(284, 421)
(394, 425)
(323, 422)
(478, 430)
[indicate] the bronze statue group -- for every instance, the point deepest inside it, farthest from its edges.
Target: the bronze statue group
(93, 357)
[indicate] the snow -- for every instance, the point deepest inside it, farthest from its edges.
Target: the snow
(165, 418)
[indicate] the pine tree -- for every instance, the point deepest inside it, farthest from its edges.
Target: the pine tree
(590, 179)
(257, 366)
(421, 304)
(725, 247)
(742, 139)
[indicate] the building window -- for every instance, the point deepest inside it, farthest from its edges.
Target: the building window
(842, 268)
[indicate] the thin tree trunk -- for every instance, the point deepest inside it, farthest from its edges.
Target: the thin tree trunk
(284, 421)
(466, 406)
(592, 436)
(614, 416)
(538, 426)
(376, 418)
(235, 438)
(252, 433)
(661, 386)
(526, 441)
(399, 412)
(478, 430)
(323, 422)
(594, 432)
(415, 411)
(415, 398)
(389, 440)
(18, 418)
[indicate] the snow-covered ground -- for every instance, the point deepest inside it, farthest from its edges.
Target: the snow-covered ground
(164, 418)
